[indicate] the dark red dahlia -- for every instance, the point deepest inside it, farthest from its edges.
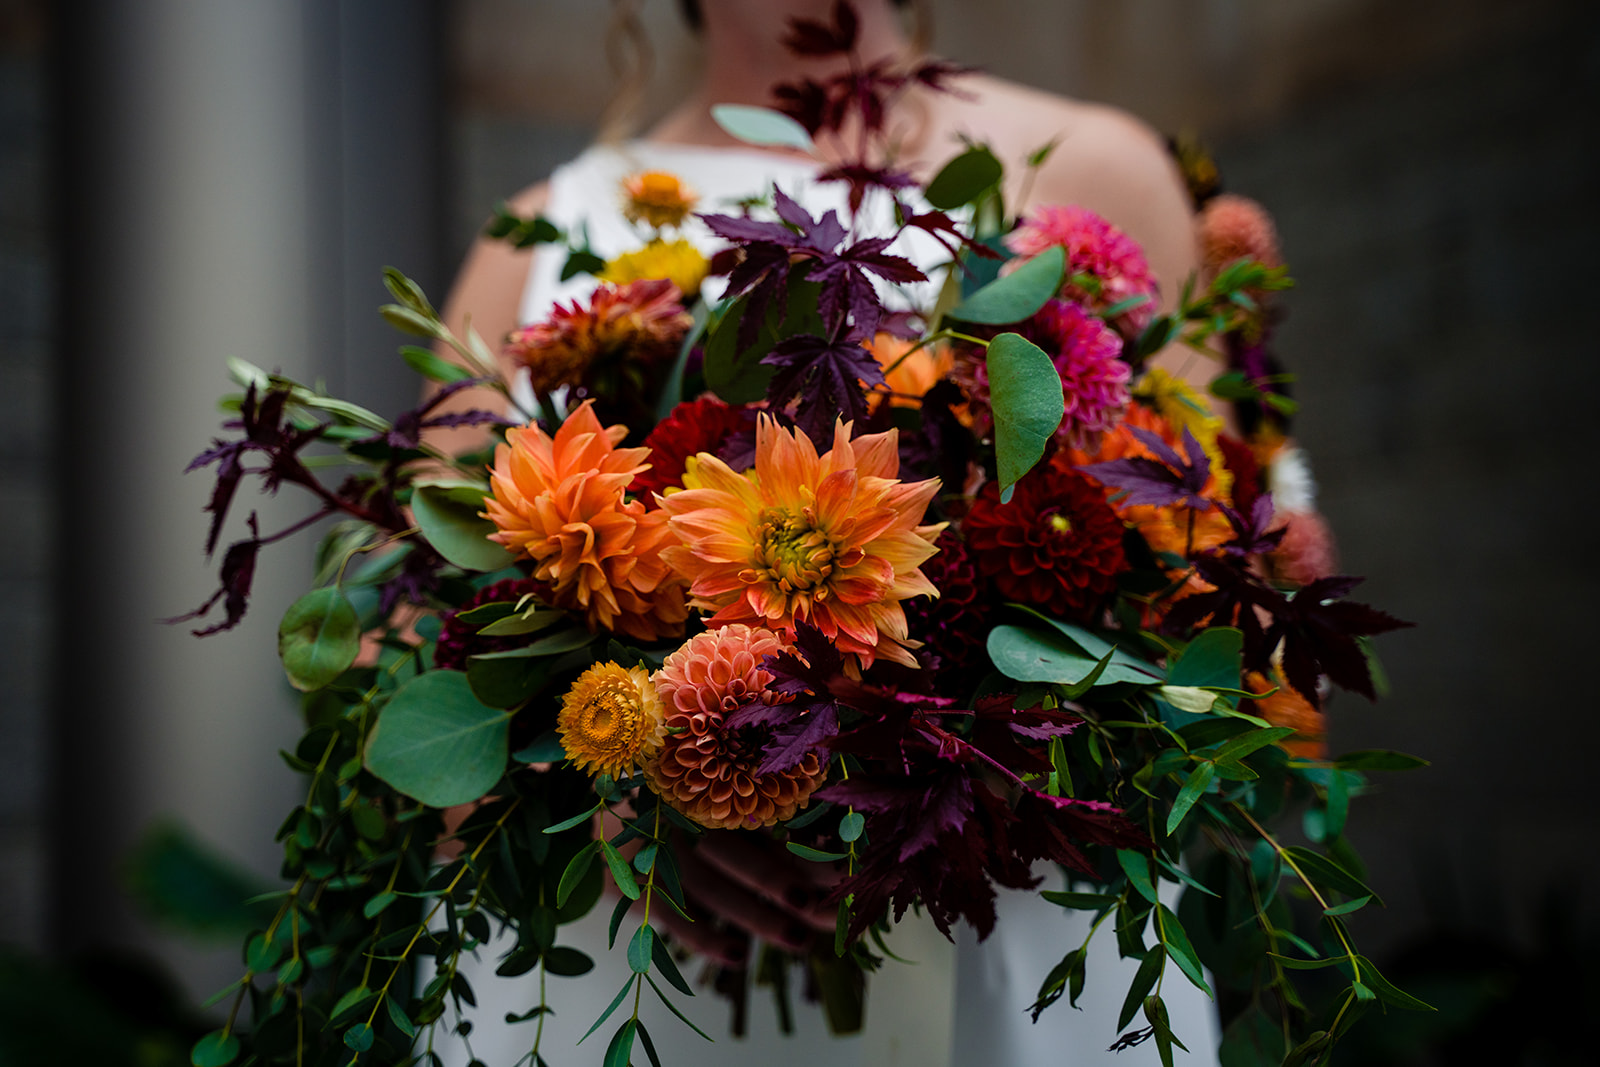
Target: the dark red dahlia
(693, 426)
(1057, 545)
(953, 627)
(458, 640)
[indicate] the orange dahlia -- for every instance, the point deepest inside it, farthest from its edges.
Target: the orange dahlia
(657, 199)
(710, 773)
(611, 720)
(834, 539)
(640, 322)
(1287, 707)
(907, 374)
(560, 502)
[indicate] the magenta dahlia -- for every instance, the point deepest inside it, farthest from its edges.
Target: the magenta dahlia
(1094, 247)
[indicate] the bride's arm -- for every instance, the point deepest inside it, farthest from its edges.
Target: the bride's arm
(486, 295)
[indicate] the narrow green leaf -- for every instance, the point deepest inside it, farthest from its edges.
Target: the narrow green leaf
(668, 967)
(553, 645)
(1246, 743)
(1058, 763)
(1137, 867)
(577, 867)
(620, 1050)
(1193, 786)
(347, 1004)
(673, 1008)
(1328, 874)
(1017, 295)
(1026, 401)
(1347, 907)
(1079, 901)
(216, 1049)
(813, 854)
(374, 907)
(1387, 991)
(568, 962)
(1182, 952)
(576, 820)
(319, 638)
(621, 873)
(618, 913)
(397, 1015)
(640, 948)
(1377, 759)
(615, 1001)
(649, 1046)
(430, 366)
(1296, 964)
(1144, 980)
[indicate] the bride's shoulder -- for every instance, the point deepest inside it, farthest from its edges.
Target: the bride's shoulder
(1099, 151)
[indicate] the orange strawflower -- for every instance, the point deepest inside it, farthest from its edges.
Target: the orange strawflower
(611, 720)
(1287, 707)
(706, 772)
(561, 502)
(657, 198)
(640, 322)
(834, 539)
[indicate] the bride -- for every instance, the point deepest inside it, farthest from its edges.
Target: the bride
(955, 1006)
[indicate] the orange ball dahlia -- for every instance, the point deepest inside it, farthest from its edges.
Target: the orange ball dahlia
(833, 539)
(710, 773)
(611, 720)
(561, 503)
(639, 322)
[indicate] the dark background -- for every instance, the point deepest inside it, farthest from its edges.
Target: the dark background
(184, 182)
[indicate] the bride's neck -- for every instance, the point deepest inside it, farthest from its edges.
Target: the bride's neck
(744, 57)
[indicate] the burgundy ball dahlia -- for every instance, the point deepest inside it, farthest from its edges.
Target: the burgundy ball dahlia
(1057, 545)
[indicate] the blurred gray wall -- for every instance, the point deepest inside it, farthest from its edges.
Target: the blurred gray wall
(231, 177)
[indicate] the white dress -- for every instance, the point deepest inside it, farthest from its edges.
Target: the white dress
(959, 1004)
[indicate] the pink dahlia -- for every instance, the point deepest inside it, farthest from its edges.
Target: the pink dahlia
(1088, 355)
(1095, 247)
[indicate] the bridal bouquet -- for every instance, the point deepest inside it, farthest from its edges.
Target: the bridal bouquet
(932, 594)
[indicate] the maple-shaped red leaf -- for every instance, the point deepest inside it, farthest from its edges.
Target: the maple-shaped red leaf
(1165, 481)
(812, 37)
(1319, 630)
(829, 380)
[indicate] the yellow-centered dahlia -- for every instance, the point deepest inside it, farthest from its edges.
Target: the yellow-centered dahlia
(833, 539)
(611, 720)
(679, 262)
(707, 772)
(657, 199)
(561, 502)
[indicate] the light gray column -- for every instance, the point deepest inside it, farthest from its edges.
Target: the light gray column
(206, 155)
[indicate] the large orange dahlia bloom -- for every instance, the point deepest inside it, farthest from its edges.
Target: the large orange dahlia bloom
(833, 539)
(561, 502)
(710, 773)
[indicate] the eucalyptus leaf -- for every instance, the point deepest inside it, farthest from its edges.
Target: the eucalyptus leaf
(319, 638)
(447, 513)
(1018, 295)
(1026, 401)
(437, 742)
(964, 179)
(761, 126)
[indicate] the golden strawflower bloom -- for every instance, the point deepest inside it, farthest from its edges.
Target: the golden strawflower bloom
(834, 539)
(709, 773)
(657, 198)
(561, 501)
(611, 719)
(678, 261)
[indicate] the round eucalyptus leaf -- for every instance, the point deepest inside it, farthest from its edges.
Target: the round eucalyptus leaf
(1017, 295)
(438, 743)
(762, 126)
(318, 638)
(214, 1050)
(964, 179)
(1026, 399)
(448, 515)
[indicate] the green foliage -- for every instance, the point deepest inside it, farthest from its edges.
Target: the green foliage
(318, 638)
(1015, 296)
(1026, 400)
(964, 180)
(437, 742)
(189, 887)
(447, 513)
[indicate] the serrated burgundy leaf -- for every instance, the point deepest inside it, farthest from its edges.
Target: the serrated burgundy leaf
(827, 378)
(805, 735)
(1146, 481)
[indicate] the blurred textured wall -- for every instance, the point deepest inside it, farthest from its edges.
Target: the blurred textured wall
(1432, 165)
